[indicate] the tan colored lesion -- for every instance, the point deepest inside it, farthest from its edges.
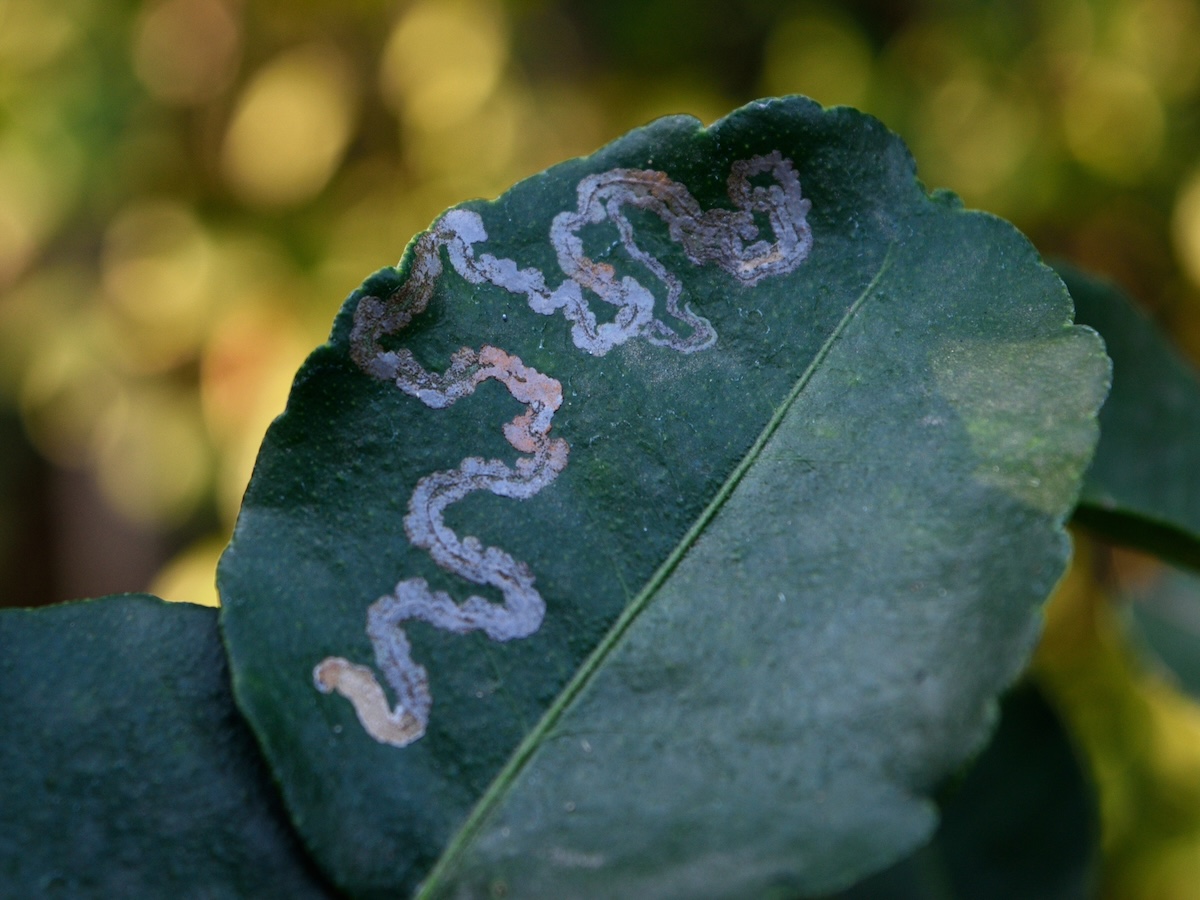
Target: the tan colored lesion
(357, 684)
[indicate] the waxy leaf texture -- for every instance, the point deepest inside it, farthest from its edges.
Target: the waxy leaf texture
(666, 527)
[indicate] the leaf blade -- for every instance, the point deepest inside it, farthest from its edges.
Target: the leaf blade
(320, 532)
(128, 770)
(841, 818)
(1024, 822)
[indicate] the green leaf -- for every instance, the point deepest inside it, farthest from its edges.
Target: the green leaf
(742, 464)
(1023, 823)
(1166, 615)
(127, 769)
(1143, 488)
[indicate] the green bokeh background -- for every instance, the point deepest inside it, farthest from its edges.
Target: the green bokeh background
(190, 188)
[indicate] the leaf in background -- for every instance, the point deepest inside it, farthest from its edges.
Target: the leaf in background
(1023, 823)
(127, 769)
(1143, 488)
(1166, 614)
(1140, 734)
(667, 525)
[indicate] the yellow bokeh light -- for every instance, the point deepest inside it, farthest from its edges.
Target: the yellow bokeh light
(674, 96)
(35, 190)
(825, 56)
(17, 241)
(442, 61)
(34, 315)
(191, 576)
(372, 228)
(33, 33)
(157, 270)
(290, 127)
(245, 375)
(186, 51)
(474, 154)
(922, 56)
(567, 121)
(65, 393)
(974, 137)
(1113, 120)
(1068, 33)
(1159, 37)
(152, 459)
(1185, 227)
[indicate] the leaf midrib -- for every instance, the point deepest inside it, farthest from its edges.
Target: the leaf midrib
(525, 750)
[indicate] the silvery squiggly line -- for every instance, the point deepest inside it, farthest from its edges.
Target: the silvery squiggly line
(718, 235)
(523, 608)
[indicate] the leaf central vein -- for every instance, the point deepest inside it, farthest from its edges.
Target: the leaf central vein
(524, 752)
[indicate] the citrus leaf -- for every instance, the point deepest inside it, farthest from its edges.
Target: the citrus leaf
(1143, 487)
(127, 769)
(1023, 823)
(689, 503)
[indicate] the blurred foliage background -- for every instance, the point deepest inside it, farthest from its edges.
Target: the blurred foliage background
(189, 189)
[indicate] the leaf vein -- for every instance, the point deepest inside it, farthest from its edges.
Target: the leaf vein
(525, 750)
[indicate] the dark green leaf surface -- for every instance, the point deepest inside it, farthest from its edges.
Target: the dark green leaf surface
(1143, 487)
(791, 537)
(1023, 824)
(127, 769)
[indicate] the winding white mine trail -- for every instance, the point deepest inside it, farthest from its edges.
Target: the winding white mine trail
(727, 237)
